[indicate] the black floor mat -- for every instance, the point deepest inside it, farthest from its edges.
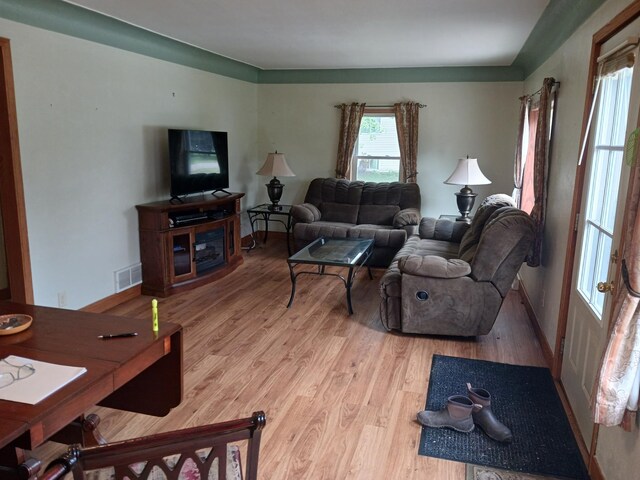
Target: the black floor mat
(524, 399)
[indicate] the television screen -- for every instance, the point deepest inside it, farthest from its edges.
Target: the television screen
(199, 161)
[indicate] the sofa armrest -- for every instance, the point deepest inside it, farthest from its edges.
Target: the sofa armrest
(442, 229)
(305, 213)
(433, 266)
(405, 217)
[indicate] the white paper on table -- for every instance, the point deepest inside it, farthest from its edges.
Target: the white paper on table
(47, 379)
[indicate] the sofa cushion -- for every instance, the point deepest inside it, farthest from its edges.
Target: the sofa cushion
(377, 214)
(442, 229)
(405, 195)
(306, 213)
(390, 283)
(406, 217)
(339, 212)
(334, 190)
(306, 232)
(433, 266)
(382, 236)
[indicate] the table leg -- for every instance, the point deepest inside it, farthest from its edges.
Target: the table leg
(253, 233)
(347, 285)
(288, 228)
(293, 285)
(83, 430)
(266, 226)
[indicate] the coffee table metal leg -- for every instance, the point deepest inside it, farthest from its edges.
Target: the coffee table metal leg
(293, 285)
(347, 285)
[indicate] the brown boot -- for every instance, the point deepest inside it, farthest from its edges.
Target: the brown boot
(485, 418)
(456, 414)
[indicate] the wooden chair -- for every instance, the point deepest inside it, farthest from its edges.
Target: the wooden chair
(207, 449)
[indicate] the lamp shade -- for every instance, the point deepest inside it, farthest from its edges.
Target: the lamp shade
(467, 172)
(276, 166)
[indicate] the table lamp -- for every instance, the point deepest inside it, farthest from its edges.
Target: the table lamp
(467, 173)
(275, 166)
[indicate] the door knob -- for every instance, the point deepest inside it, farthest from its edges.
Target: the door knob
(604, 287)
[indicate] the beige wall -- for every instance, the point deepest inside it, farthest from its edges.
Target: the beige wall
(92, 122)
(475, 119)
(618, 453)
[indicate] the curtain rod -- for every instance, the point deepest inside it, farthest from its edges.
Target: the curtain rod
(420, 105)
(554, 84)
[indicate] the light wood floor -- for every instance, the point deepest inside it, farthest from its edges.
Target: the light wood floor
(340, 392)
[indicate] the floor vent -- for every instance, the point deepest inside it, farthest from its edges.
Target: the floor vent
(128, 277)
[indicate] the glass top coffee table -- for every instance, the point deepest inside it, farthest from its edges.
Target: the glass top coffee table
(351, 253)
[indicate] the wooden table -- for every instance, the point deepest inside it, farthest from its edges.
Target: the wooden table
(140, 374)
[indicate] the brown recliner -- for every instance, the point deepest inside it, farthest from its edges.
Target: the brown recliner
(452, 278)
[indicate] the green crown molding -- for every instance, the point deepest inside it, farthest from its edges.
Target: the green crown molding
(75, 21)
(393, 75)
(558, 21)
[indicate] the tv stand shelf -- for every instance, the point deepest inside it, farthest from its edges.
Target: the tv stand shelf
(185, 245)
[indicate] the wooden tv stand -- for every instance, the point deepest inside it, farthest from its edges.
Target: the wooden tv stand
(185, 245)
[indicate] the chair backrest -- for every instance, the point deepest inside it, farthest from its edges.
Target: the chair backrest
(504, 244)
(207, 452)
(471, 238)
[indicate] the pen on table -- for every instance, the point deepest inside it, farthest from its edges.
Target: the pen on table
(118, 335)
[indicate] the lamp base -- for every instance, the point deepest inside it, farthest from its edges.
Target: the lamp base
(274, 190)
(465, 199)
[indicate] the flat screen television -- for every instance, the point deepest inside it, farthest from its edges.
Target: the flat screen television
(199, 161)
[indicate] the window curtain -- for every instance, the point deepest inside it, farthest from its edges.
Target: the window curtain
(407, 126)
(350, 119)
(615, 399)
(518, 167)
(541, 167)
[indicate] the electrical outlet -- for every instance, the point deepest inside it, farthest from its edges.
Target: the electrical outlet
(62, 299)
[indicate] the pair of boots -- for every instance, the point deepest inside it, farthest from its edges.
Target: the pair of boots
(462, 413)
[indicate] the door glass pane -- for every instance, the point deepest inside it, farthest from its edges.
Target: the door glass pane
(597, 185)
(602, 186)
(611, 194)
(587, 261)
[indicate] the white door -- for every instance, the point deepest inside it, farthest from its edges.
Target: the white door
(599, 228)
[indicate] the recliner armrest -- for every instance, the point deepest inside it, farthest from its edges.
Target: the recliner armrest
(433, 266)
(405, 217)
(442, 229)
(305, 213)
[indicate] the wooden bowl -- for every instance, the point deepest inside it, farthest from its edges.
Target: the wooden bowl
(16, 323)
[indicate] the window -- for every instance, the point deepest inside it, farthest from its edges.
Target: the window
(377, 153)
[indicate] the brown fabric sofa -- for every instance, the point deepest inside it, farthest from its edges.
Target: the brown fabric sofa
(451, 278)
(386, 212)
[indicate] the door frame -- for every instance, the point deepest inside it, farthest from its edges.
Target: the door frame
(14, 218)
